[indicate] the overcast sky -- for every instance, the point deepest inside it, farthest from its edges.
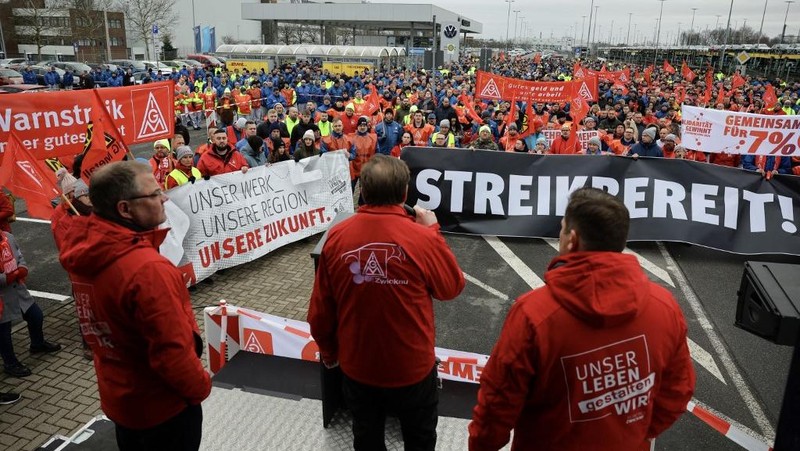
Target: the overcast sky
(563, 17)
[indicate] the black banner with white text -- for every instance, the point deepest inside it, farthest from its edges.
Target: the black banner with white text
(524, 195)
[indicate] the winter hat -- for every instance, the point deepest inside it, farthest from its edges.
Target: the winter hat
(184, 151)
(671, 137)
(309, 134)
(484, 128)
(594, 140)
(80, 189)
(651, 132)
(274, 126)
(162, 142)
(363, 121)
(65, 181)
(413, 109)
(431, 116)
(350, 107)
(512, 125)
(590, 118)
(240, 123)
(444, 123)
(542, 140)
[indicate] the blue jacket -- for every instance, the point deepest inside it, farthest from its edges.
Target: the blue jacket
(69, 79)
(114, 81)
(29, 77)
(784, 166)
(51, 78)
(646, 150)
(388, 136)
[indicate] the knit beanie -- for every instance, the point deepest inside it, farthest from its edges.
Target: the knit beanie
(651, 132)
(65, 181)
(81, 189)
(309, 134)
(184, 151)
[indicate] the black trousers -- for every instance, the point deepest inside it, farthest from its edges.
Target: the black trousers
(180, 433)
(416, 406)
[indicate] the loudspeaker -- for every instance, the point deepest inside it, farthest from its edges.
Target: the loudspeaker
(769, 301)
(485, 61)
(428, 59)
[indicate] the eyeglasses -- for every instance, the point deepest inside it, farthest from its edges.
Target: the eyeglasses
(156, 193)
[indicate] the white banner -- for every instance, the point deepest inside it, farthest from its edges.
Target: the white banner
(269, 334)
(236, 218)
(719, 131)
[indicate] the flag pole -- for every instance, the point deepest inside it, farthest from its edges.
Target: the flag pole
(71, 207)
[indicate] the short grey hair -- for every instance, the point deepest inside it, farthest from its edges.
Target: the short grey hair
(113, 183)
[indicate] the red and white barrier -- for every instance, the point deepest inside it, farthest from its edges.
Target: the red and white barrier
(730, 431)
(230, 329)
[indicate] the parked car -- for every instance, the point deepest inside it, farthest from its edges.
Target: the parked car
(13, 89)
(158, 67)
(173, 64)
(10, 77)
(136, 66)
(12, 61)
(190, 63)
(205, 59)
(76, 68)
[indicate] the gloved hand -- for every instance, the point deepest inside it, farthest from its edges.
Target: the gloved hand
(207, 177)
(191, 179)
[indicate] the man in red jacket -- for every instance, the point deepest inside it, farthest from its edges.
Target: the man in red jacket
(595, 359)
(135, 313)
(371, 310)
(222, 158)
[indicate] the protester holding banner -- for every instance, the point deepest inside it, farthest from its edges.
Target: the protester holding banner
(373, 317)
(485, 140)
(135, 312)
(161, 162)
(565, 143)
(184, 171)
(554, 373)
(647, 146)
(767, 166)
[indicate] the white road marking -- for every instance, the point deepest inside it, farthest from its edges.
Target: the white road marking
(705, 359)
(51, 296)
(653, 268)
(727, 362)
(527, 274)
(38, 221)
(487, 288)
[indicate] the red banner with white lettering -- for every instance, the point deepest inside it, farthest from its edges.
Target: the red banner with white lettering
(53, 124)
(497, 87)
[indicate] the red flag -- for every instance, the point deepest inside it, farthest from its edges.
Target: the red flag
(529, 118)
(578, 108)
(512, 112)
(577, 70)
(373, 102)
(720, 96)
(769, 97)
(668, 67)
(737, 81)
(537, 59)
(687, 73)
(648, 71)
(106, 144)
(25, 177)
(471, 111)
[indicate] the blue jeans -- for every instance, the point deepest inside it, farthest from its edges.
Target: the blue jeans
(35, 319)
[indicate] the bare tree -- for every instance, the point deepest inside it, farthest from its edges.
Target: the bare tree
(88, 16)
(36, 20)
(143, 14)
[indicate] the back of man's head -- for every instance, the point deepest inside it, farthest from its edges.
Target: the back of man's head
(384, 180)
(600, 220)
(113, 183)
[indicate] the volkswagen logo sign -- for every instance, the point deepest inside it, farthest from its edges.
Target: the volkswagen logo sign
(450, 31)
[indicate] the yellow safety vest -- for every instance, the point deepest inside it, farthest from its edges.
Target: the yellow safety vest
(181, 178)
(324, 128)
(451, 139)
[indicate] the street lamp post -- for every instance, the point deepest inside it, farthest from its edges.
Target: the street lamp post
(589, 33)
(783, 33)
(761, 28)
(727, 36)
(508, 21)
(583, 28)
(594, 32)
(679, 34)
(628, 37)
(691, 32)
(516, 19)
(716, 27)
(658, 33)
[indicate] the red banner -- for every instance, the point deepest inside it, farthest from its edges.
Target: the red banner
(497, 87)
(55, 123)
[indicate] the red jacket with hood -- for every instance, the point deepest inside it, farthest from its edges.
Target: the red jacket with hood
(371, 307)
(135, 313)
(596, 359)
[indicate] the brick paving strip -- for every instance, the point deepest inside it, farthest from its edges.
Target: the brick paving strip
(61, 395)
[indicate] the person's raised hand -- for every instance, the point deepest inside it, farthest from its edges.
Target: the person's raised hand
(425, 217)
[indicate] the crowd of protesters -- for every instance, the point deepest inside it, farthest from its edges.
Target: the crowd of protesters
(301, 110)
